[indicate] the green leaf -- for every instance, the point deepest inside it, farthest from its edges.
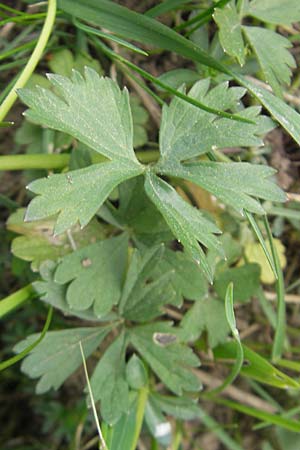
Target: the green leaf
(38, 244)
(186, 131)
(58, 355)
(234, 184)
(95, 274)
(182, 408)
(283, 12)
(124, 431)
(209, 315)
(140, 118)
(257, 367)
(92, 109)
(137, 213)
(136, 373)
(188, 281)
(187, 223)
(144, 29)
(246, 280)
(144, 294)
(76, 196)
(170, 360)
(230, 31)
(55, 294)
(273, 56)
(177, 77)
(63, 62)
(109, 384)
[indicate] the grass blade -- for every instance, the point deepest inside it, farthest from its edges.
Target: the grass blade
(168, 88)
(280, 334)
(13, 360)
(102, 442)
(283, 422)
(239, 357)
(262, 242)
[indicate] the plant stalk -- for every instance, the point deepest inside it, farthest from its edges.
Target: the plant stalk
(33, 60)
(16, 299)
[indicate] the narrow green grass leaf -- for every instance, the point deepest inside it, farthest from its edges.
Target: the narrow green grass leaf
(274, 419)
(102, 441)
(280, 331)
(96, 32)
(239, 118)
(239, 357)
(261, 240)
(166, 6)
(11, 361)
(257, 367)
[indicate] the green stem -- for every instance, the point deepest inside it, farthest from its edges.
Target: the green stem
(16, 299)
(14, 359)
(142, 401)
(33, 60)
(59, 161)
(279, 338)
(38, 161)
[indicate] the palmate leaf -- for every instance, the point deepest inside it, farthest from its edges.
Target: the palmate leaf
(96, 112)
(109, 383)
(76, 196)
(230, 31)
(273, 56)
(131, 25)
(187, 131)
(235, 184)
(187, 223)
(95, 274)
(169, 359)
(58, 355)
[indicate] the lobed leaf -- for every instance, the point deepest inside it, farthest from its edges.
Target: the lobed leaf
(132, 25)
(186, 131)
(170, 361)
(235, 184)
(144, 294)
(205, 315)
(109, 384)
(58, 355)
(76, 196)
(187, 223)
(230, 31)
(273, 55)
(54, 294)
(283, 12)
(92, 109)
(95, 274)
